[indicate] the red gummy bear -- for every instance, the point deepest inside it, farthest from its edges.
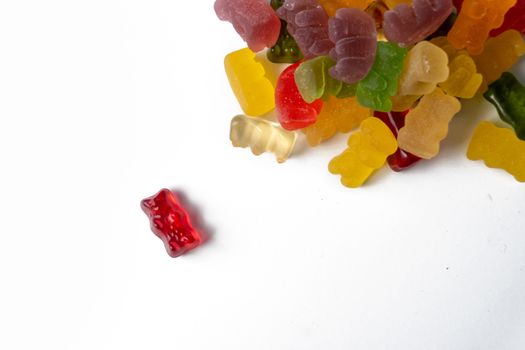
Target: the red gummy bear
(171, 223)
(514, 19)
(293, 112)
(400, 160)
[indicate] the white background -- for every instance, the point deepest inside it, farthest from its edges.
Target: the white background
(104, 102)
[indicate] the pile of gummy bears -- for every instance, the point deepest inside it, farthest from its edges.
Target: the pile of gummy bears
(394, 69)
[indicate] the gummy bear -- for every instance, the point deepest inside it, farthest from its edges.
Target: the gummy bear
(354, 33)
(445, 27)
(443, 43)
(408, 25)
(463, 81)
(252, 88)
(425, 66)
(375, 90)
(499, 55)
(427, 124)
(402, 103)
(393, 3)
(262, 136)
(254, 20)
(498, 148)
(337, 115)
(293, 112)
(308, 25)
(171, 223)
(286, 49)
(331, 6)
(514, 19)
(367, 151)
(475, 20)
(400, 160)
(508, 96)
(313, 80)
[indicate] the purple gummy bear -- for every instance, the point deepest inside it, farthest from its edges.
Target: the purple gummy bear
(254, 20)
(308, 25)
(408, 25)
(355, 36)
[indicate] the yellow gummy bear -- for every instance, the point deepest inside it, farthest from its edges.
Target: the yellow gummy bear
(338, 115)
(402, 103)
(475, 21)
(499, 148)
(499, 55)
(252, 88)
(445, 45)
(262, 136)
(427, 124)
(425, 66)
(463, 81)
(367, 151)
(331, 6)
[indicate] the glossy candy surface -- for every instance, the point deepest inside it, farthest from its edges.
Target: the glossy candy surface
(171, 223)
(375, 90)
(308, 25)
(331, 6)
(408, 24)
(285, 49)
(354, 33)
(499, 55)
(427, 124)
(498, 148)
(425, 66)
(463, 81)
(475, 21)
(514, 19)
(507, 94)
(402, 159)
(367, 151)
(252, 88)
(262, 136)
(338, 115)
(293, 112)
(254, 20)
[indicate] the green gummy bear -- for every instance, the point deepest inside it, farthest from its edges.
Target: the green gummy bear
(285, 49)
(375, 90)
(508, 96)
(314, 81)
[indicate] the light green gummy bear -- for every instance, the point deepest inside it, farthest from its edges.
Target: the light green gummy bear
(375, 90)
(314, 81)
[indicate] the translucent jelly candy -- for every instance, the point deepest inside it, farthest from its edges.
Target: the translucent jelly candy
(393, 3)
(463, 81)
(427, 124)
(293, 111)
(253, 90)
(355, 37)
(331, 6)
(445, 45)
(254, 20)
(407, 25)
(171, 223)
(262, 136)
(308, 24)
(314, 81)
(425, 66)
(375, 90)
(514, 19)
(498, 148)
(367, 151)
(337, 115)
(500, 54)
(400, 160)
(508, 96)
(402, 103)
(285, 49)
(475, 20)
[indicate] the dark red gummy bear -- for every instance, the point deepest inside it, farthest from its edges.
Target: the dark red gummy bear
(171, 223)
(293, 112)
(514, 19)
(400, 160)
